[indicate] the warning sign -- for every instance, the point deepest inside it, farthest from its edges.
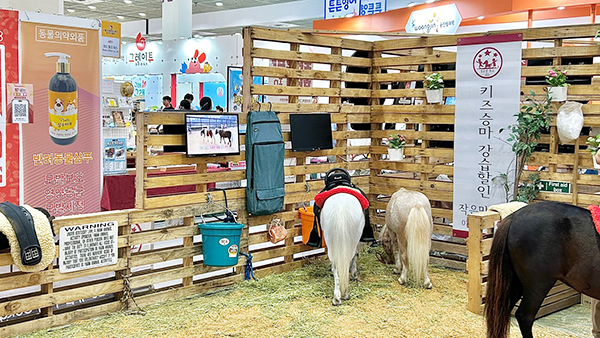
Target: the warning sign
(88, 246)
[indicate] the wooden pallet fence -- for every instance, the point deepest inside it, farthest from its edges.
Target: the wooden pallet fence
(481, 234)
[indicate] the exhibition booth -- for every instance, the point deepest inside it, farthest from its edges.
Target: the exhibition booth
(331, 102)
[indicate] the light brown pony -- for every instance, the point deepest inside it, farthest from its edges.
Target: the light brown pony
(409, 223)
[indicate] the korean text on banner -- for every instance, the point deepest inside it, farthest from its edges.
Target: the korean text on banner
(488, 75)
(9, 72)
(62, 155)
(111, 39)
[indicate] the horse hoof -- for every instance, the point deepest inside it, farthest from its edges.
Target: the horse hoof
(346, 297)
(354, 277)
(336, 302)
(428, 285)
(396, 271)
(401, 281)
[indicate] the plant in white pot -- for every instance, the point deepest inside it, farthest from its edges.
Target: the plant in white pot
(557, 79)
(434, 87)
(593, 145)
(396, 144)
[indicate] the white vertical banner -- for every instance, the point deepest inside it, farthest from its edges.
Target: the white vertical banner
(488, 89)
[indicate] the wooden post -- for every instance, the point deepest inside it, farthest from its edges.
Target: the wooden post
(475, 299)
(140, 155)
(188, 261)
(247, 70)
(48, 289)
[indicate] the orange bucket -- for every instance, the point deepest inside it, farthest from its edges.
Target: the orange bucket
(308, 217)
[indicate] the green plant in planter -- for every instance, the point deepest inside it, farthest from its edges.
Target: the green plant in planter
(557, 77)
(397, 141)
(593, 146)
(434, 81)
(532, 120)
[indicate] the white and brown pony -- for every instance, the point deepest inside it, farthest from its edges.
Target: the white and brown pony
(342, 221)
(409, 224)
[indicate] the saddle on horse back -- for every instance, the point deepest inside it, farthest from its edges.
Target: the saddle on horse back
(28, 232)
(338, 180)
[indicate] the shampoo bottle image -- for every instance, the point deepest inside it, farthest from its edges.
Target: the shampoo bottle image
(62, 101)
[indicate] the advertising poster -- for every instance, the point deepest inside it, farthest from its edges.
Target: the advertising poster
(9, 71)
(62, 154)
(111, 39)
(19, 98)
(115, 156)
(216, 91)
(488, 77)
(235, 80)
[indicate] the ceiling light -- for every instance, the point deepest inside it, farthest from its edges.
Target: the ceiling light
(160, 42)
(429, 1)
(480, 17)
(123, 42)
(219, 4)
(197, 36)
(70, 10)
(181, 37)
(120, 17)
(91, 7)
(128, 1)
(411, 4)
(142, 14)
(560, 8)
(212, 37)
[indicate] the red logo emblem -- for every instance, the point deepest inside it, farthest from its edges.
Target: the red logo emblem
(487, 63)
(140, 42)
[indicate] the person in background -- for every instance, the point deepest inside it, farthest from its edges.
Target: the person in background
(185, 105)
(167, 103)
(206, 104)
(189, 97)
(219, 109)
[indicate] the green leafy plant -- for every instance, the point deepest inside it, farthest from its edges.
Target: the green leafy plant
(532, 120)
(557, 77)
(528, 189)
(434, 81)
(397, 141)
(593, 144)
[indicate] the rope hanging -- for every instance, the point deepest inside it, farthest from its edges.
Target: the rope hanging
(249, 271)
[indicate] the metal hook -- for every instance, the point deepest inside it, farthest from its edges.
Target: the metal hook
(270, 106)
(259, 106)
(209, 198)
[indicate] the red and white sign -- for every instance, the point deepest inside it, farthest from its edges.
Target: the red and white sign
(488, 76)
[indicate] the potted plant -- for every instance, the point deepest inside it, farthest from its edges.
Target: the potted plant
(593, 145)
(557, 79)
(434, 86)
(396, 144)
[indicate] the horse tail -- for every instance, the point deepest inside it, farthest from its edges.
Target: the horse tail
(418, 239)
(341, 235)
(498, 303)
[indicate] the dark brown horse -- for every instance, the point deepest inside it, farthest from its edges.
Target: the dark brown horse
(532, 249)
(225, 136)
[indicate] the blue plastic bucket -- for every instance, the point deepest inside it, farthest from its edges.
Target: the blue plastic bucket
(220, 243)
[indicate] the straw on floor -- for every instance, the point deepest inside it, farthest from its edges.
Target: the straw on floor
(298, 304)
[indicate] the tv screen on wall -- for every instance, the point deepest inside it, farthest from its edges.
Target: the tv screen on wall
(311, 132)
(212, 134)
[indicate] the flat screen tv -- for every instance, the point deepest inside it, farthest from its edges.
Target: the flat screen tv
(311, 132)
(209, 134)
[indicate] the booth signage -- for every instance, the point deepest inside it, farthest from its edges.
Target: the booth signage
(437, 20)
(139, 56)
(488, 75)
(111, 39)
(88, 246)
(349, 8)
(555, 186)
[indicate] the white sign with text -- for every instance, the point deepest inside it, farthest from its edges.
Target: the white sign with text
(488, 75)
(88, 246)
(437, 20)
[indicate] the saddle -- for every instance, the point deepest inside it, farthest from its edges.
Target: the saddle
(595, 210)
(338, 180)
(28, 232)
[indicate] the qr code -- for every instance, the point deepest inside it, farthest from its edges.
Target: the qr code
(20, 110)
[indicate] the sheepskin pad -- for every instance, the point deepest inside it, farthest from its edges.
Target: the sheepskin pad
(506, 209)
(44, 234)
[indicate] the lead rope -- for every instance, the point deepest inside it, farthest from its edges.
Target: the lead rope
(127, 295)
(249, 271)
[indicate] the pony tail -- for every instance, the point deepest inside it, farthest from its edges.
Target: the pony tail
(418, 239)
(498, 296)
